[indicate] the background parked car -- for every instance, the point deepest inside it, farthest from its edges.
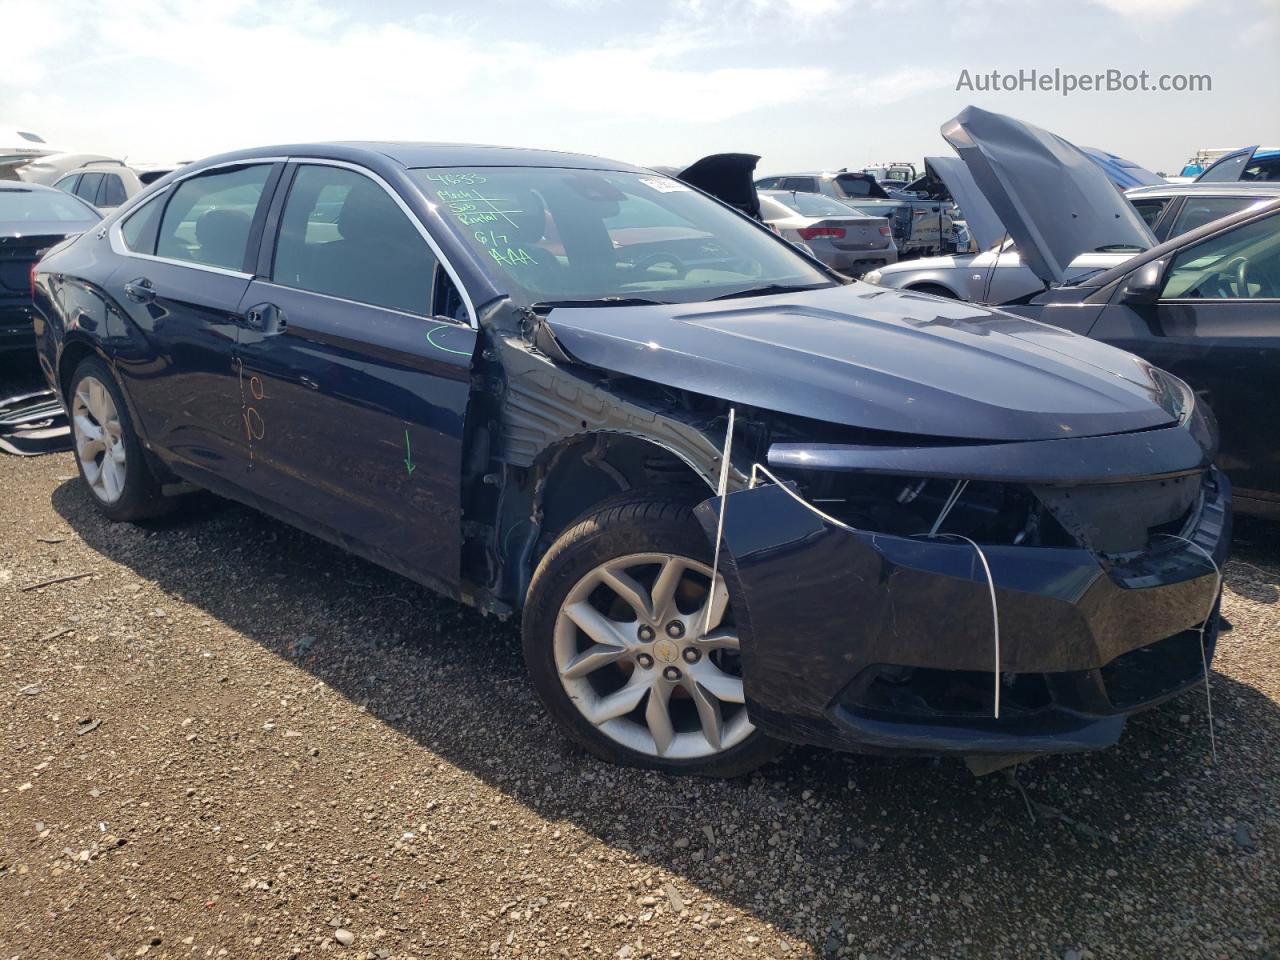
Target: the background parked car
(920, 226)
(1205, 306)
(104, 183)
(997, 274)
(843, 239)
(1250, 163)
(32, 219)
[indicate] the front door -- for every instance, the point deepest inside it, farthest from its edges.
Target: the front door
(1217, 326)
(354, 372)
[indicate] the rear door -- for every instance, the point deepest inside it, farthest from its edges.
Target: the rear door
(182, 278)
(1217, 326)
(354, 370)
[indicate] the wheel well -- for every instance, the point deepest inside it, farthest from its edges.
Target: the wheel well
(937, 289)
(72, 355)
(567, 480)
(600, 466)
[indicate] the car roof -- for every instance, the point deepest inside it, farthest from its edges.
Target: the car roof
(1230, 188)
(411, 155)
(1174, 244)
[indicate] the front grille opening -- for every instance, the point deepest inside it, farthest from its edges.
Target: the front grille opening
(988, 513)
(1156, 670)
(929, 692)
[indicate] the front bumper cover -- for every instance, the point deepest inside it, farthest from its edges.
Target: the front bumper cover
(874, 642)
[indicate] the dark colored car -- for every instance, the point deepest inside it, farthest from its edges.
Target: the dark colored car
(1206, 306)
(32, 219)
(511, 375)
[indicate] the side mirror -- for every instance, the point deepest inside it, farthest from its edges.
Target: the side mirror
(1144, 284)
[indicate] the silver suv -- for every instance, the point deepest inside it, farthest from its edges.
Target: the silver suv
(106, 184)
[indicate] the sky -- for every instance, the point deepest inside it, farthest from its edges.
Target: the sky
(804, 83)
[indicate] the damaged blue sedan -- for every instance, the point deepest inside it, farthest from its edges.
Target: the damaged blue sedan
(737, 499)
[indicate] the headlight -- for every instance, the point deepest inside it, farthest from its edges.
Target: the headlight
(872, 276)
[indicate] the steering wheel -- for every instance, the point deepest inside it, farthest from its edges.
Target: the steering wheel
(1238, 270)
(652, 260)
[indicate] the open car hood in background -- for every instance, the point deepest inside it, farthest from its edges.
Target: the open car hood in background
(983, 222)
(1054, 200)
(1125, 174)
(1228, 167)
(726, 176)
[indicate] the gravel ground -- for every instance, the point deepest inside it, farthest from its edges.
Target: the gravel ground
(232, 740)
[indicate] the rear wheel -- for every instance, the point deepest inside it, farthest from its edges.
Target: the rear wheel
(629, 649)
(107, 449)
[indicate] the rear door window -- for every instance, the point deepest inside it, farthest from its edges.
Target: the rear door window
(88, 187)
(139, 227)
(343, 235)
(111, 192)
(210, 217)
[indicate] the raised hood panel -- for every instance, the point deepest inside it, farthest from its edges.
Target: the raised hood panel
(983, 222)
(879, 359)
(1055, 201)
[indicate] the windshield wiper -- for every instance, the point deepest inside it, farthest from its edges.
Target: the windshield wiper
(600, 302)
(769, 288)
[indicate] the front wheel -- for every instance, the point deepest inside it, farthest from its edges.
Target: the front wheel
(621, 648)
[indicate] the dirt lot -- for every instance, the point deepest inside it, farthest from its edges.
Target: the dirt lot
(231, 740)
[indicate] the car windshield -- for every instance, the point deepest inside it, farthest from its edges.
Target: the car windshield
(558, 235)
(35, 206)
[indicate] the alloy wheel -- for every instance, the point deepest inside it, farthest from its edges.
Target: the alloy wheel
(634, 658)
(99, 439)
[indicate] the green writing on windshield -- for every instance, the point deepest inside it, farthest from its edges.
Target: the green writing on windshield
(472, 207)
(453, 179)
(512, 256)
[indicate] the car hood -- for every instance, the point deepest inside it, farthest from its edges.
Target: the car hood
(1055, 201)
(882, 360)
(983, 222)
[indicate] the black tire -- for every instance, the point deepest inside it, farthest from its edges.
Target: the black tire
(141, 497)
(937, 289)
(634, 522)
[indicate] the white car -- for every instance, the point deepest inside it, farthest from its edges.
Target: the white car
(994, 276)
(997, 274)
